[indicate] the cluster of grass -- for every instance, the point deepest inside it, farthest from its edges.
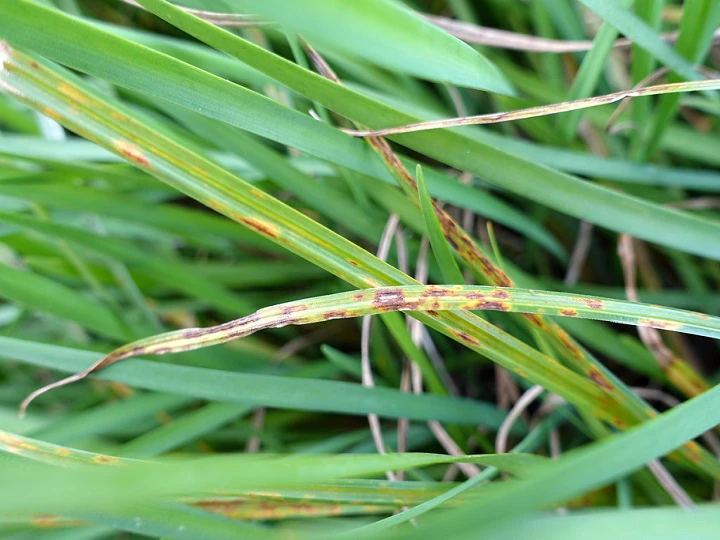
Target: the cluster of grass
(496, 331)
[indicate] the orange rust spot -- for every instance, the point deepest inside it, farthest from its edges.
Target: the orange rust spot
(619, 423)
(118, 116)
(47, 522)
(266, 229)
(520, 372)
(594, 303)
(353, 262)
(694, 451)
(10, 439)
(662, 325)
(568, 343)
(215, 205)
(62, 451)
(132, 152)
(105, 460)
(72, 92)
(569, 312)
(51, 113)
(34, 64)
(599, 379)
(499, 293)
(358, 297)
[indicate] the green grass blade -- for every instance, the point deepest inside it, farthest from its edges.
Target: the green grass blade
(583, 469)
(262, 390)
(642, 35)
(387, 33)
(43, 294)
(182, 277)
(443, 255)
(267, 216)
(126, 64)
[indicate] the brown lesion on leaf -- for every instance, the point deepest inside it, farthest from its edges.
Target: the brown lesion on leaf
(491, 305)
(411, 305)
(266, 229)
(662, 325)
(599, 379)
(594, 303)
(569, 312)
(568, 343)
(293, 309)
(467, 338)
(132, 152)
(336, 314)
(101, 459)
(388, 300)
(192, 333)
(435, 291)
(354, 263)
(500, 293)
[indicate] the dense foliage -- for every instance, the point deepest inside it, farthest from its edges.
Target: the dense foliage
(491, 330)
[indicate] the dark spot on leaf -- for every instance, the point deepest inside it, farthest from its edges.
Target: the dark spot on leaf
(499, 293)
(490, 305)
(338, 314)
(259, 226)
(599, 379)
(463, 336)
(293, 309)
(593, 303)
(133, 153)
(568, 312)
(388, 299)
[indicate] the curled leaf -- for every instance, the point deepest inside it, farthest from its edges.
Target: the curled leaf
(408, 298)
